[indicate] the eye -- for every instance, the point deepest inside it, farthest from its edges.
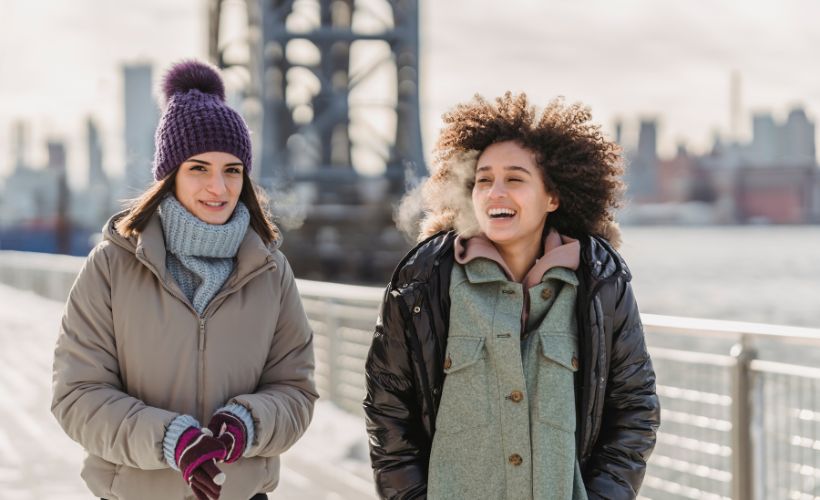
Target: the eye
(198, 168)
(234, 170)
(515, 179)
(482, 180)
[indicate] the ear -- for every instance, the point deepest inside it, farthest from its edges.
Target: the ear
(553, 203)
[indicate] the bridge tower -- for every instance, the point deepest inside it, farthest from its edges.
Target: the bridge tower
(330, 89)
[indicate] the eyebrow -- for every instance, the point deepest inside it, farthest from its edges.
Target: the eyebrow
(203, 162)
(509, 167)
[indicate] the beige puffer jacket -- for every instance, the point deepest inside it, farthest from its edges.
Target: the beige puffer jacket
(133, 354)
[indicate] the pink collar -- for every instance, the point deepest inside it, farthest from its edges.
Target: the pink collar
(559, 251)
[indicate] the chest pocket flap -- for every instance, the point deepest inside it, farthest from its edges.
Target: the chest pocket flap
(561, 349)
(462, 352)
(465, 400)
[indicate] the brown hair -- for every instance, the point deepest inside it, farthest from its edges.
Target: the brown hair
(140, 209)
(578, 163)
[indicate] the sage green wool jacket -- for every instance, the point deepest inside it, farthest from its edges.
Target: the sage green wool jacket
(506, 422)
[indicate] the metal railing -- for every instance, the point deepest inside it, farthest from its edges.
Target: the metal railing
(734, 425)
(740, 401)
(342, 317)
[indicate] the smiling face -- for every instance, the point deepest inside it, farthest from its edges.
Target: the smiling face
(209, 184)
(510, 200)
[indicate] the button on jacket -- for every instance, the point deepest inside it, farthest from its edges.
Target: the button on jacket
(617, 410)
(133, 354)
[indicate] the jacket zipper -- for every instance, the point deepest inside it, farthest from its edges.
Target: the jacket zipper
(200, 389)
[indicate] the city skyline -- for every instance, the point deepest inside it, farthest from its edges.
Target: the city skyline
(99, 39)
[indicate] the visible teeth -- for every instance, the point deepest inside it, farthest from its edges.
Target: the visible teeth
(213, 203)
(500, 211)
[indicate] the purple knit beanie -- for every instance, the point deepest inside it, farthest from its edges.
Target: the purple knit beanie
(196, 119)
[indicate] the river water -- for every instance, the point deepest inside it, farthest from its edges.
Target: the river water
(744, 273)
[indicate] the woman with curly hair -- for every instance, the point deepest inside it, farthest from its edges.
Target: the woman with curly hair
(509, 360)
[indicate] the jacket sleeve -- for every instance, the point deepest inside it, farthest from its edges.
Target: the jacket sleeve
(631, 413)
(88, 399)
(399, 446)
(282, 405)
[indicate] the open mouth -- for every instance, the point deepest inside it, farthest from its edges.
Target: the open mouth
(214, 204)
(501, 213)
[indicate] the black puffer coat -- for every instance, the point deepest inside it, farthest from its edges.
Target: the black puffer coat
(618, 410)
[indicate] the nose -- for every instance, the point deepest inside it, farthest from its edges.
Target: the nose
(216, 184)
(497, 190)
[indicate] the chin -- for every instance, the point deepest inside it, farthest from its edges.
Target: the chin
(216, 221)
(499, 237)
(507, 237)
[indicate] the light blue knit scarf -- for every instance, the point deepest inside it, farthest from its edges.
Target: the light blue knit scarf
(200, 256)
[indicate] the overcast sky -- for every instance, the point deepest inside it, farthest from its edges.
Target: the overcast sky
(60, 61)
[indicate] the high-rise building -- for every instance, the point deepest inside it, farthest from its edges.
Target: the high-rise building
(96, 174)
(619, 132)
(19, 141)
(765, 138)
(641, 173)
(788, 144)
(797, 140)
(95, 207)
(141, 117)
(648, 139)
(56, 155)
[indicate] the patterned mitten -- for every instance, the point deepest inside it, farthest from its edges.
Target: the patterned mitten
(230, 430)
(196, 454)
(203, 481)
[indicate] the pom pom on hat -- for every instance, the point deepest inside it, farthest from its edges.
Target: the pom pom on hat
(188, 75)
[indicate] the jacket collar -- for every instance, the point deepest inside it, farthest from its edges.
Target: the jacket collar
(487, 271)
(558, 251)
(149, 246)
(602, 260)
(421, 261)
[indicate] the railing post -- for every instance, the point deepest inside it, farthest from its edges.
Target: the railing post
(741, 387)
(333, 351)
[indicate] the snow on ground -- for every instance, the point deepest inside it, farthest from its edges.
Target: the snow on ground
(38, 461)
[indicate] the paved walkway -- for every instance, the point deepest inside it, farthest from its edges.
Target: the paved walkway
(38, 461)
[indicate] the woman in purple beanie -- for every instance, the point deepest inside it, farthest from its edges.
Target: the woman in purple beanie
(184, 349)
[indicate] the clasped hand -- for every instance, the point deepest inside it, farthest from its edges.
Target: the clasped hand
(200, 449)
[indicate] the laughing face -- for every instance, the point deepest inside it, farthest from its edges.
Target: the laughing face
(209, 184)
(510, 200)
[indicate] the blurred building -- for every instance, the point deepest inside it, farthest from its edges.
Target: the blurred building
(778, 194)
(774, 178)
(765, 140)
(29, 194)
(791, 143)
(93, 205)
(797, 144)
(642, 165)
(675, 177)
(141, 118)
(36, 204)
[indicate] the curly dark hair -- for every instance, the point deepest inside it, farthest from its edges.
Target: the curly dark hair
(577, 161)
